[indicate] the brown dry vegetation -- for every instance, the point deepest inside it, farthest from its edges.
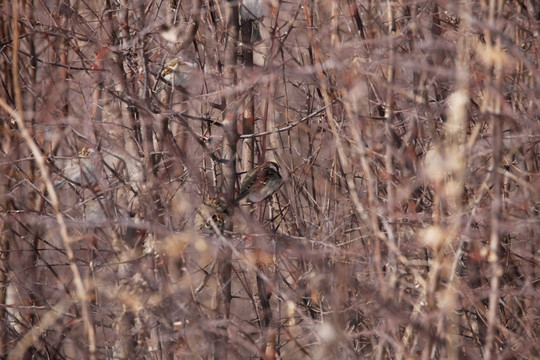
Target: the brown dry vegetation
(407, 226)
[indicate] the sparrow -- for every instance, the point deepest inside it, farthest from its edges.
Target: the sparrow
(81, 171)
(260, 182)
(177, 72)
(212, 212)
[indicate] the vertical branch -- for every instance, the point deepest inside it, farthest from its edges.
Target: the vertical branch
(248, 120)
(64, 73)
(4, 258)
(224, 260)
(495, 237)
(189, 34)
(146, 127)
(15, 58)
(97, 112)
(371, 218)
(494, 106)
(334, 36)
(248, 33)
(457, 123)
(5, 141)
(125, 342)
(390, 144)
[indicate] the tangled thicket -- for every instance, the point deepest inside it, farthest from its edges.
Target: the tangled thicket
(407, 225)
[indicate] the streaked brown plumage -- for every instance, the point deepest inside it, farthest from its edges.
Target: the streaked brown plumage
(260, 182)
(177, 72)
(212, 212)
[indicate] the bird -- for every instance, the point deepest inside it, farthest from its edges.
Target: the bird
(81, 171)
(177, 72)
(260, 182)
(213, 213)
